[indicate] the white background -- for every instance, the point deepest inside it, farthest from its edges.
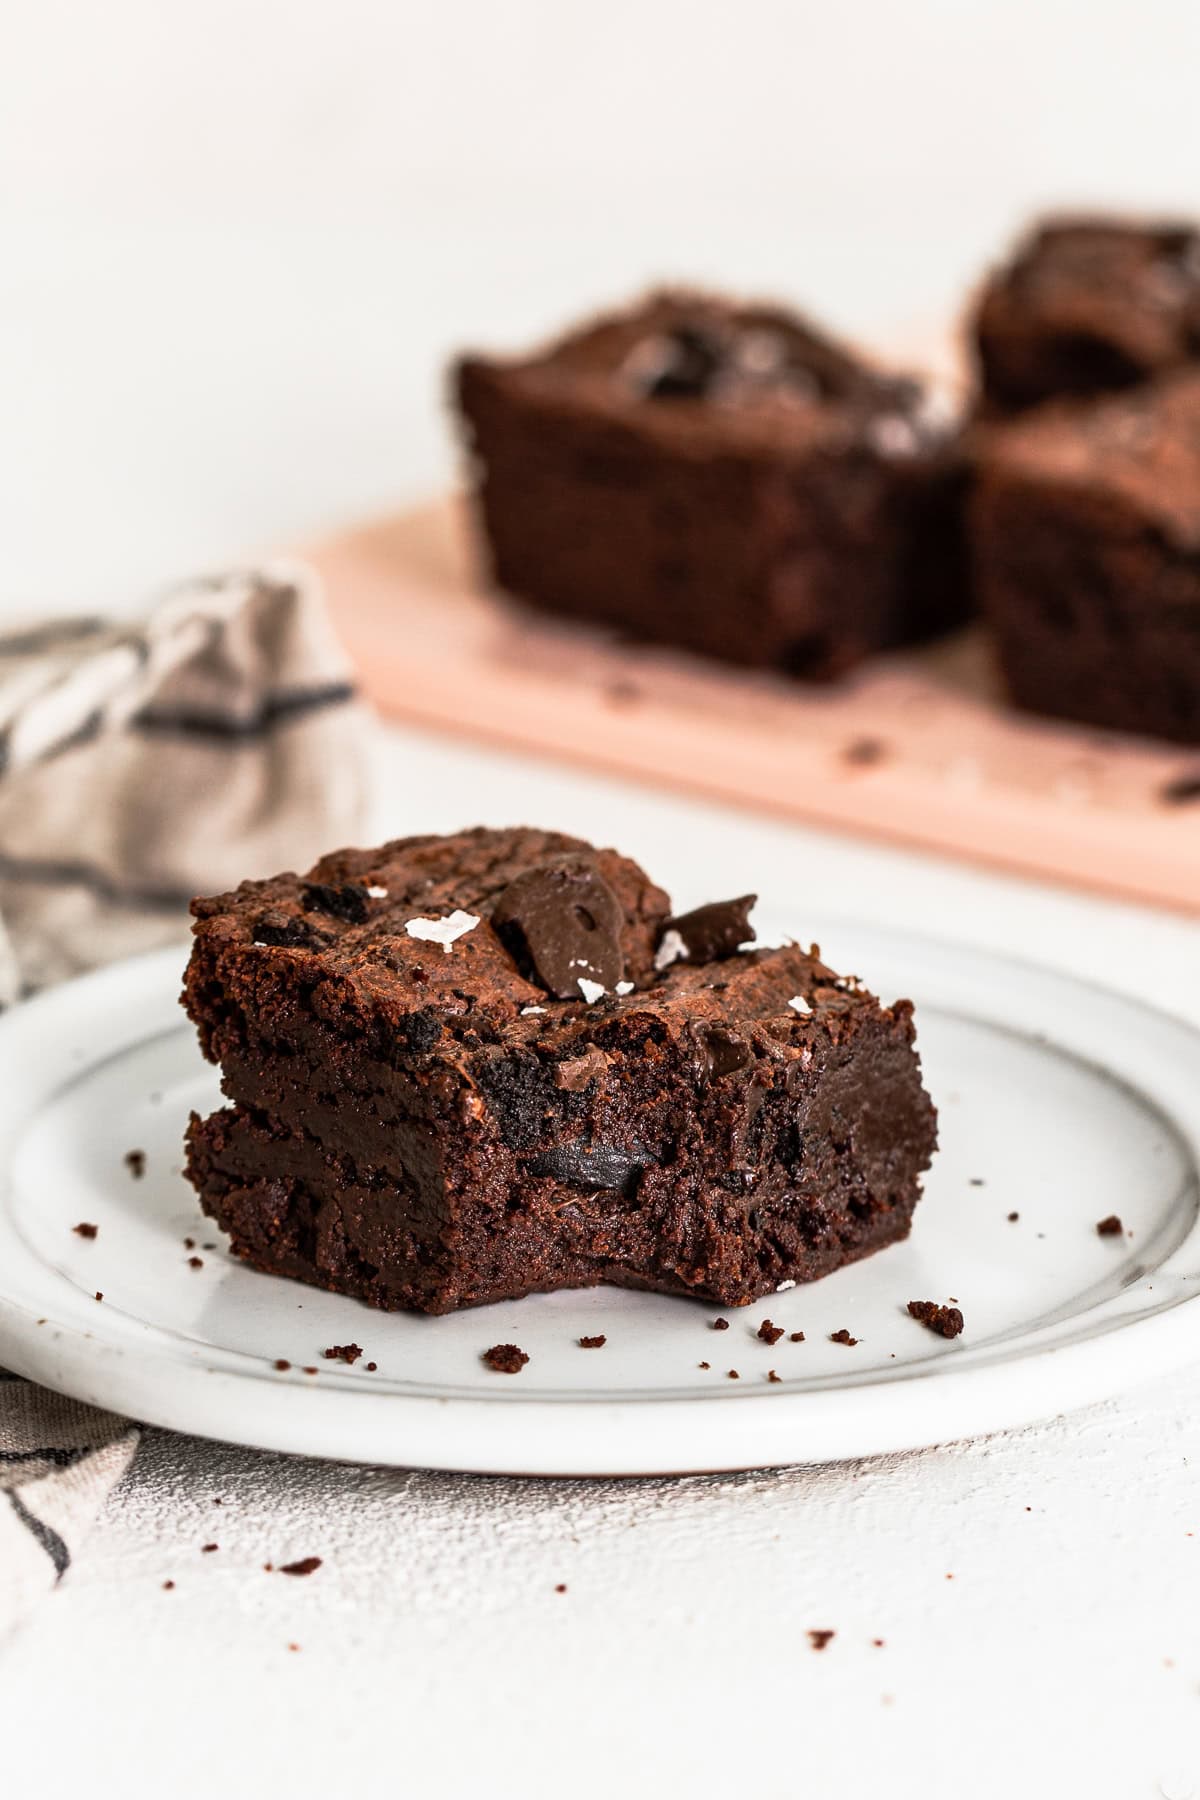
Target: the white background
(236, 243)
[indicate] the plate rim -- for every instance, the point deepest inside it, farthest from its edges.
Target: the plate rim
(635, 1434)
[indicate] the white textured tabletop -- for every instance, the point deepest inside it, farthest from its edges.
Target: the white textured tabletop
(237, 243)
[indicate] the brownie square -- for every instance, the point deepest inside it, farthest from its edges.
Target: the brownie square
(722, 478)
(1085, 529)
(1088, 306)
(466, 1068)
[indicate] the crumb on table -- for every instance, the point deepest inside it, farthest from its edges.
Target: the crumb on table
(505, 1359)
(84, 1230)
(842, 1336)
(1110, 1227)
(347, 1353)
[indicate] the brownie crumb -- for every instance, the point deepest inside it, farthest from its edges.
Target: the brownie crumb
(1110, 1227)
(371, 1368)
(842, 1337)
(506, 1359)
(135, 1162)
(1013, 1217)
(304, 1566)
(282, 1363)
(167, 1586)
(819, 1639)
(862, 752)
(878, 1643)
(720, 1324)
(189, 1243)
(795, 1337)
(207, 1549)
(560, 1587)
(1182, 790)
(99, 1295)
(704, 1365)
(769, 1333)
(947, 1321)
(347, 1353)
(593, 1343)
(195, 1262)
(293, 1646)
(772, 1376)
(84, 1230)
(307, 1369)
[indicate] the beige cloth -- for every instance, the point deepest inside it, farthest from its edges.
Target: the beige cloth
(140, 764)
(143, 763)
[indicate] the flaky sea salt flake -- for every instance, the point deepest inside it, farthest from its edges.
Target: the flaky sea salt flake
(443, 931)
(591, 990)
(672, 949)
(799, 1005)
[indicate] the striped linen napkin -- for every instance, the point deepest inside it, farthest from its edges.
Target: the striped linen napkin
(218, 739)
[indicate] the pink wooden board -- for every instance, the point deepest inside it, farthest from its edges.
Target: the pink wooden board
(957, 770)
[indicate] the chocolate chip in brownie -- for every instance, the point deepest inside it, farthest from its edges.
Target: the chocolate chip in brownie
(593, 1343)
(1110, 1227)
(506, 1359)
(84, 1230)
(842, 1337)
(288, 931)
(947, 1321)
(723, 1054)
(562, 922)
(348, 903)
(135, 1162)
(711, 933)
(347, 1353)
(681, 364)
(770, 1334)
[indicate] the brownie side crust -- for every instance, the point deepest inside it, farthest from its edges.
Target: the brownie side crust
(1085, 536)
(764, 499)
(434, 1128)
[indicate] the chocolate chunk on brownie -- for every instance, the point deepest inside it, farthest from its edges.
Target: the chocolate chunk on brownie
(1085, 532)
(720, 477)
(1087, 306)
(421, 1114)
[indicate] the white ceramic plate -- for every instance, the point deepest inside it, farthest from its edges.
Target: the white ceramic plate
(1060, 1102)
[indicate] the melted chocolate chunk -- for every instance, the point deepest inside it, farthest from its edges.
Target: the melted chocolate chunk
(724, 1054)
(681, 364)
(713, 932)
(578, 1072)
(562, 922)
(587, 1166)
(348, 903)
(289, 931)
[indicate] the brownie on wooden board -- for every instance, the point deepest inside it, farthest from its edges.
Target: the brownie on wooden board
(467, 1068)
(722, 478)
(1087, 306)
(1085, 533)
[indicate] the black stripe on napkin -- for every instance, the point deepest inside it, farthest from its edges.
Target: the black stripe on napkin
(37, 1528)
(272, 710)
(55, 873)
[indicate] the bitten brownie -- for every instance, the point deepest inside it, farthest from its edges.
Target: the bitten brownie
(1085, 528)
(467, 1068)
(1087, 306)
(719, 477)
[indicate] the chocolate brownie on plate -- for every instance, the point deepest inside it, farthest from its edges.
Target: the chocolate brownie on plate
(722, 478)
(1085, 528)
(466, 1068)
(1086, 306)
